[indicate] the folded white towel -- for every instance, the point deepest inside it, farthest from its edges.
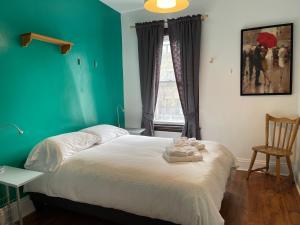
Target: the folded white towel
(184, 141)
(174, 159)
(181, 151)
(194, 142)
(181, 142)
(200, 147)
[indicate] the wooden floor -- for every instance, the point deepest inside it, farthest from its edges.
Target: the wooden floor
(256, 202)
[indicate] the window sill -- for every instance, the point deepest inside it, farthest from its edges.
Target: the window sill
(168, 127)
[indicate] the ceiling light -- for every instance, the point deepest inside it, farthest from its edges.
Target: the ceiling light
(165, 6)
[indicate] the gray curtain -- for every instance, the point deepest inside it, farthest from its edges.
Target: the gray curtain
(185, 35)
(150, 42)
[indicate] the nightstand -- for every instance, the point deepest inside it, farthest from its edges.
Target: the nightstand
(135, 131)
(16, 178)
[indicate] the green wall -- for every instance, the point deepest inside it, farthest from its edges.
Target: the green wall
(47, 93)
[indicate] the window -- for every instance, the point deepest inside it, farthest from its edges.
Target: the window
(168, 108)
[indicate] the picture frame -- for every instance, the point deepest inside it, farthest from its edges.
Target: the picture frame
(267, 60)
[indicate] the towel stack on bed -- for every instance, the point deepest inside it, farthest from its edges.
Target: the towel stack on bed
(184, 150)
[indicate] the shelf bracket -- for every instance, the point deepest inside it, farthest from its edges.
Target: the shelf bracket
(65, 49)
(26, 39)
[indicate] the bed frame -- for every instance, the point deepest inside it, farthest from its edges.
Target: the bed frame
(42, 201)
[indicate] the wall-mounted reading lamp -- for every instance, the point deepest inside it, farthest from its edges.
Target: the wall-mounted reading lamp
(20, 132)
(119, 107)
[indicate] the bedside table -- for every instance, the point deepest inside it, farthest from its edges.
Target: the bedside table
(135, 131)
(16, 178)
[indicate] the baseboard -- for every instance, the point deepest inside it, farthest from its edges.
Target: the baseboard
(298, 188)
(26, 206)
(298, 183)
(244, 165)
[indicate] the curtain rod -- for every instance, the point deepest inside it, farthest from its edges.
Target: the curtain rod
(203, 18)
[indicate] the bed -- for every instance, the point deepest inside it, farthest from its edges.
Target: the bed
(128, 174)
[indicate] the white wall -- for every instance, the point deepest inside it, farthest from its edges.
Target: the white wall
(225, 116)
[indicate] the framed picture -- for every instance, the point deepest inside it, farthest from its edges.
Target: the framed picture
(267, 60)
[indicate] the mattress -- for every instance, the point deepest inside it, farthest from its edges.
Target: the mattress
(130, 174)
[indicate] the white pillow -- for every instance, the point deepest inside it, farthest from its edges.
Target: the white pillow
(106, 132)
(49, 154)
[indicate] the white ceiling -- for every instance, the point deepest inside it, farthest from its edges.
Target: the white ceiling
(123, 6)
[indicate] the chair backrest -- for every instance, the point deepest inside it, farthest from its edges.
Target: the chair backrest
(281, 132)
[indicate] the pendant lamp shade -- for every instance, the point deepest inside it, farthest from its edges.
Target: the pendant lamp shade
(166, 6)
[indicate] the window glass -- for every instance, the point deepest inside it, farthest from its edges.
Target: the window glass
(168, 107)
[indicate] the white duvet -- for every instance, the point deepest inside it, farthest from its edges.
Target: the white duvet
(130, 174)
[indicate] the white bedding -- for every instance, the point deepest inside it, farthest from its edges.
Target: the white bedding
(130, 174)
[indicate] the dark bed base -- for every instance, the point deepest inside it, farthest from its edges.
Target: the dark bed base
(41, 201)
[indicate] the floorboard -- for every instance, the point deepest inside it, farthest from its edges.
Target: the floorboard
(254, 202)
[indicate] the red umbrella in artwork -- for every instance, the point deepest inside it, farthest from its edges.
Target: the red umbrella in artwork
(267, 40)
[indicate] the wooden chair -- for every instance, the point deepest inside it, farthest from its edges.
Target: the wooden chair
(283, 132)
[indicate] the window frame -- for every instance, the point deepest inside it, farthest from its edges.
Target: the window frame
(178, 128)
(168, 126)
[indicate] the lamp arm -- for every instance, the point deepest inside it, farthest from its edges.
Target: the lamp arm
(12, 125)
(118, 114)
(121, 107)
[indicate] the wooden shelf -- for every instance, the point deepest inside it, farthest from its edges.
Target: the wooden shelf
(26, 39)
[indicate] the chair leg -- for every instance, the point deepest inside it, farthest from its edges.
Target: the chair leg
(277, 170)
(251, 163)
(267, 163)
(289, 163)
